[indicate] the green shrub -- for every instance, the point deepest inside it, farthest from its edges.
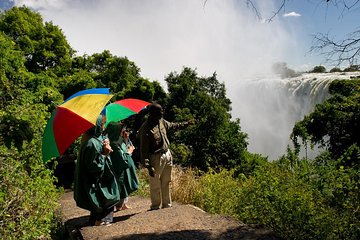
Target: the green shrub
(219, 192)
(276, 198)
(335, 69)
(28, 201)
(319, 69)
(144, 189)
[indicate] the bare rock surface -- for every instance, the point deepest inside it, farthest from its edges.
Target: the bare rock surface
(177, 222)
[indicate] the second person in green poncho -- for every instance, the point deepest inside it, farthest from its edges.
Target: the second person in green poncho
(124, 166)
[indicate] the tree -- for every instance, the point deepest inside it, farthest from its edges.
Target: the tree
(43, 45)
(338, 51)
(80, 80)
(335, 123)
(24, 181)
(318, 69)
(352, 68)
(11, 69)
(215, 140)
(147, 91)
(120, 74)
(25, 95)
(335, 69)
(117, 73)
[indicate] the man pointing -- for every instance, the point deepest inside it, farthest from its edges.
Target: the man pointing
(156, 156)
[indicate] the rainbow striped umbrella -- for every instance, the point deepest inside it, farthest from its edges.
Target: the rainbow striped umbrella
(72, 118)
(123, 109)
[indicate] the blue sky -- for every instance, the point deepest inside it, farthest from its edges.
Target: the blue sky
(311, 17)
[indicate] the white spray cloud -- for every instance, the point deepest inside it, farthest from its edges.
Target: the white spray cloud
(164, 35)
(292, 14)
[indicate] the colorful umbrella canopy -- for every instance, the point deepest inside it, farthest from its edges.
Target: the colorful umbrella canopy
(72, 118)
(123, 109)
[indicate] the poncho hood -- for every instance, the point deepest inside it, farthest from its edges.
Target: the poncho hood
(113, 130)
(97, 129)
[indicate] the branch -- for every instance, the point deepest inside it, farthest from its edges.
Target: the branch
(282, 6)
(347, 50)
(254, 8)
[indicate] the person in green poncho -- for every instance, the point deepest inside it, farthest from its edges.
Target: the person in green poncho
(123, 163)
(95, 185)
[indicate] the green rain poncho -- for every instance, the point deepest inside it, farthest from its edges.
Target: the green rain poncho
(95, 186)
(124, 166)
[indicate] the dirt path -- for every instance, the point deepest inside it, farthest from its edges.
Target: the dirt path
(178, 222)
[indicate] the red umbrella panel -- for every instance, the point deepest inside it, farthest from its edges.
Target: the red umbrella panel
(71, 119)
(123, 109)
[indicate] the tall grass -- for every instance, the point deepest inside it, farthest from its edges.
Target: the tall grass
(212, 192)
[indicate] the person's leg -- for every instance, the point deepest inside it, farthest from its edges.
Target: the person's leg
(105, 218)
(120, 204)
(125, 205)
(109, 216)
(155, 192)
(165, 179)
(92, 219)
(155, 187)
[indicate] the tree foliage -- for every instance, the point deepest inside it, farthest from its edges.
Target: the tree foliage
(335, 123)
(318, 69)
(44, 46)
(215, 140)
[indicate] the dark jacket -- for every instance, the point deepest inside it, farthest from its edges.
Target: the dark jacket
(95, 185)
(153, 137)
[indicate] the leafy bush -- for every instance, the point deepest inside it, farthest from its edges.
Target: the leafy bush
(278, 199)
(144, 189)
(28, 201)
(318, 69)
(352, 68)
(219, 192)
(335, 69)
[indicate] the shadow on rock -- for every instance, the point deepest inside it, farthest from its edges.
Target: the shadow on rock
(250, 233)
(123, 218)
(187, 234)
(244, 233)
